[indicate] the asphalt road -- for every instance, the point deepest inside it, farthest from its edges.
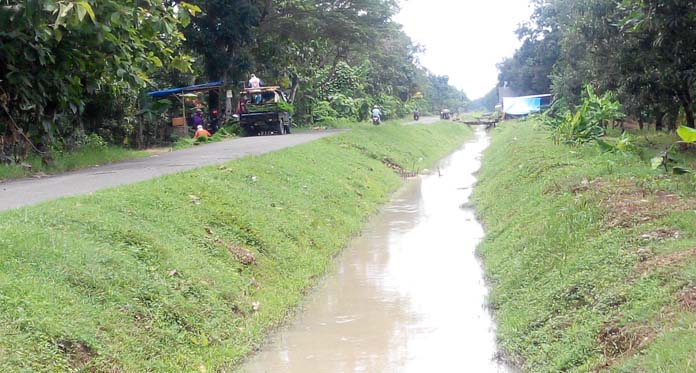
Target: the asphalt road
(423, 120)
(24, 192)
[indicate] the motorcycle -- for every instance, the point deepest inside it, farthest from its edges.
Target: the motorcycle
(376, 120)
(416, 115)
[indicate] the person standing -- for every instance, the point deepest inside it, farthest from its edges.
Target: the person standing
(254, 82)
(198, 118)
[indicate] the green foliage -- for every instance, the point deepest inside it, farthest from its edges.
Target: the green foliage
(625, 143)
(588, 122)
(202, 139)
(687, 135)
(323, 112)
(667, 159)
(642, 50)
(150, 268)
(56, 55)
(346, 107)
(271, 107)
(487, 102)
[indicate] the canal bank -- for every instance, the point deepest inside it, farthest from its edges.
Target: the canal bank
(408, 295)
(590, 253)
(189, 272)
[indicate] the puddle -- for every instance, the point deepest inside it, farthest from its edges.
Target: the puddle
(407, 296)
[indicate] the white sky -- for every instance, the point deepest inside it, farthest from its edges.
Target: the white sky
(464, 39)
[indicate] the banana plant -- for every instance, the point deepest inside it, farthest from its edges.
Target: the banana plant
(687, 136)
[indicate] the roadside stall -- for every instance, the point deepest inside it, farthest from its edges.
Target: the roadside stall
(185, 95)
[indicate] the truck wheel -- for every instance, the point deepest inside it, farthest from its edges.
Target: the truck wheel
(280, 130)
(287, 129)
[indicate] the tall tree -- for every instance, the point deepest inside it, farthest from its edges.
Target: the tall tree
(56, 54)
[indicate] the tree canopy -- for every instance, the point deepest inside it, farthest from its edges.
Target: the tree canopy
(645, 51)
(71, 67)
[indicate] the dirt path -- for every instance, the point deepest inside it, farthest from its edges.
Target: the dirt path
(423, 120)
(24, 192)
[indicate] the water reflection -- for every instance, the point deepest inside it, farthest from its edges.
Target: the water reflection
(408, 295)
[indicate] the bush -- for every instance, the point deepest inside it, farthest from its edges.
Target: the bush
(323, 112)
(345, 107)
(589, 120)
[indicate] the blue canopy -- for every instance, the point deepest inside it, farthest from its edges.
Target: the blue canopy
(523, 105)
(191, 88)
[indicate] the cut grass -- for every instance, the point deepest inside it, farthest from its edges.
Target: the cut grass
(577, 250)
(148, 277)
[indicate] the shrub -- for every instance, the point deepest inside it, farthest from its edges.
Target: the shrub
(323, 112)
(589, 120)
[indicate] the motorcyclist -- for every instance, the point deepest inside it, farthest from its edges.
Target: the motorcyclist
(416, 114)
(376, 113)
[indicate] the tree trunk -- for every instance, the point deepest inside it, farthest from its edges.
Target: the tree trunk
(687, 103)
(139, 143)
(672, 119)
(640, 120)
(688, 109)
(295, 87)
(228, 100)
(659, 115)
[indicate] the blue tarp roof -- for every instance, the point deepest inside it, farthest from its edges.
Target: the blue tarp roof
(191, 88)
(523, 105)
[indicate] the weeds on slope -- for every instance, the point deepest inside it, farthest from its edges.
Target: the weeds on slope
(590, 255)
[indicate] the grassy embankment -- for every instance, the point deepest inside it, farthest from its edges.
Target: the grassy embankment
(189, 271)
(591, 255)
(90, 156)
(86, 157)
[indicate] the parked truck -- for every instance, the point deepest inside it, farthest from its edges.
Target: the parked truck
(264, 110)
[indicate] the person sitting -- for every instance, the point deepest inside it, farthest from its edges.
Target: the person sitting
(254, 82)
(200, 131)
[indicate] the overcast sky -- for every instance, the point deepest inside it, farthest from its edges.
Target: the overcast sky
(464, 39)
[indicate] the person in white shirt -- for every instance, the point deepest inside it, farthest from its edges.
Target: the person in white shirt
(254, 82)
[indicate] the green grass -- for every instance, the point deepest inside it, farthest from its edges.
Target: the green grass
(347, 123)
(85, 157)
(141, 278)
(564, 250)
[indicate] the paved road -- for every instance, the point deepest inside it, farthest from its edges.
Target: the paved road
(424, 120)
(24, 192)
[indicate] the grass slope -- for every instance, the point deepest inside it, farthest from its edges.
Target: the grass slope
(591, 255)
(85, 157)
(189, 271)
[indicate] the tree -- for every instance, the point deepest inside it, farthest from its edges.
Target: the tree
(58, 54)
(670, 27)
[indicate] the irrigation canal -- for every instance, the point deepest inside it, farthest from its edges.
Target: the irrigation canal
(408, 295)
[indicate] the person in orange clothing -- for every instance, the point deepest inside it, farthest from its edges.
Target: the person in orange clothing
(200, 131)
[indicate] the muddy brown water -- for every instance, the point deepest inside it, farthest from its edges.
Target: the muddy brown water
(408, 295)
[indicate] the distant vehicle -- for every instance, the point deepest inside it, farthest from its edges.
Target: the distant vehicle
(445, 114)
(264, 110)
(416, 115)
